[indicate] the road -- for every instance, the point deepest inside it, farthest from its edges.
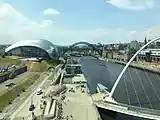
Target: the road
(19, 100)
(26, 103)
(23, 109)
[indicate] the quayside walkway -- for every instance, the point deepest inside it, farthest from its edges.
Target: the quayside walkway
(78, 102)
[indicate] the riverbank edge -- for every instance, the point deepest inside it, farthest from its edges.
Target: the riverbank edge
(134, 65)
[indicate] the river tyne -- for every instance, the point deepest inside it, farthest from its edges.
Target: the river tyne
(136, 87)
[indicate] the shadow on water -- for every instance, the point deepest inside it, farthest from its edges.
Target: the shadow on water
(105, 73)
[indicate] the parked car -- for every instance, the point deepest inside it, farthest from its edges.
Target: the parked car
(10, 84)
(32, 107)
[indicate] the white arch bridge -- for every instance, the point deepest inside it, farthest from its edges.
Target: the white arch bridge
(109, 103)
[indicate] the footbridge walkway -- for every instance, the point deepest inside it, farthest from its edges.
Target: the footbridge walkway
(129, 110)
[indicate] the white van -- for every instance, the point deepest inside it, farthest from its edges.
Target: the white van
(39, 91)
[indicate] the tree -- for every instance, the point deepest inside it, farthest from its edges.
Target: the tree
(99, 44)
(151, 46)
(158, 44)
(145, 40)
(148, 56)
(3, 56)
(121, 47)
(131, 52)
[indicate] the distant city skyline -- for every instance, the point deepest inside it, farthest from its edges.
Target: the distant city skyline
(66, 22)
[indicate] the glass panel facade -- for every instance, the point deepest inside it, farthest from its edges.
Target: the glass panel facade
(29, 51)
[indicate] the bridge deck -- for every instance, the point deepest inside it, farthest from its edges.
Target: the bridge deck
(129, 110)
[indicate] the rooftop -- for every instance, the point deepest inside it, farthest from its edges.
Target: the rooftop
(79, 78)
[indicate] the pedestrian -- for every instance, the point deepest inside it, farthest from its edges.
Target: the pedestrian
(67, 117)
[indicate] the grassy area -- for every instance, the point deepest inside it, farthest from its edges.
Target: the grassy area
(40, 66)
(10, 95)
(36, 66)
(8, 62)
(13, 57)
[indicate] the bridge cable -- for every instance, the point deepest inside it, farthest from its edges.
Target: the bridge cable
(143, 88)
(126, 88)
(154, 69)
(134, 87)
(152, 85)
(151, 81)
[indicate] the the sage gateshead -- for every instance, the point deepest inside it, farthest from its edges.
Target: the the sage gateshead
(33, 48)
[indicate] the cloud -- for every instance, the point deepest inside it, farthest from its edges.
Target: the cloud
(51, 11)
(153, 32)
(133, 4)
(15, 27)
(47, 22)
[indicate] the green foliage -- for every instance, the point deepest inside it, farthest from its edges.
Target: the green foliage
(6, 73)
(8, 62)
(131, 52)
(145, 41)
(158, 44)
(151, 46)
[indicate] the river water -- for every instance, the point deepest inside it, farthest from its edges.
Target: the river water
(136, 87)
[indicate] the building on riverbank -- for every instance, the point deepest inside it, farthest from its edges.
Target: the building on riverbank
(149, 55)
(121, 55)
(146, 55)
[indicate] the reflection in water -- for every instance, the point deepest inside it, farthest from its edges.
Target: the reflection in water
(134, 83)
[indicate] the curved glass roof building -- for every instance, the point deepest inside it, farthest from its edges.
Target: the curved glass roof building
(33, 48)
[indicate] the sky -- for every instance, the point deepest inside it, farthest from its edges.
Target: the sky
(65, 22)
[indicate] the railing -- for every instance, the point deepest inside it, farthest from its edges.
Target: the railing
(131, 108)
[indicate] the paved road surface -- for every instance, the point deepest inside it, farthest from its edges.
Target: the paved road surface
(23, 109)
(19, 100)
